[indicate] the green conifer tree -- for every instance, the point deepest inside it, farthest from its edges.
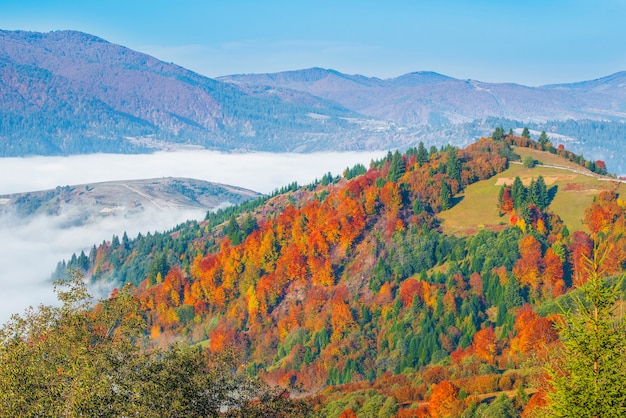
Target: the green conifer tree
(588, 379)
(518, 193)
(538, 193)
(498, 134)
(422, 154)
(453, 165)
(446, 195)
(543, 140)
(233, 230)
(396, 167)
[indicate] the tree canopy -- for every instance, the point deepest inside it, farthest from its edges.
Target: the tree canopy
(587, 377)
(78, 360)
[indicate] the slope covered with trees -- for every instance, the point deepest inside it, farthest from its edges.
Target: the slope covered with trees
(68, 92)
(349, 283)
(77, 360)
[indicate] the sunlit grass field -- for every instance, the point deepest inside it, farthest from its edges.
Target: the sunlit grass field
(573, 191)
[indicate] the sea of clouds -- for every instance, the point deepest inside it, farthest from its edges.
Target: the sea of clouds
(31, 249)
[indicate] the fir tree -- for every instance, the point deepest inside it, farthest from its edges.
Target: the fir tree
(422, 154)
(249, 224)
(453, 165)
(541, 193)
(543, 140)
(446, 195)
(125, 241)
(512, 294)
(498, 134)
(518, 193)
(396, 167)
(588, 378)
(233, 231)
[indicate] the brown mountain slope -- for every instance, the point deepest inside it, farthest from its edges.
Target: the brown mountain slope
(87, 202)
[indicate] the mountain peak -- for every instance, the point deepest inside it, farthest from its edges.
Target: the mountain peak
(421, 78)
(308, 75)
(56, 35)
(615, 80)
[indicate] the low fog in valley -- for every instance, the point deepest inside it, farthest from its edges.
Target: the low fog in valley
(32, 247)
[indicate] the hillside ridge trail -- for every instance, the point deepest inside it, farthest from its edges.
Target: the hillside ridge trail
(582, 171)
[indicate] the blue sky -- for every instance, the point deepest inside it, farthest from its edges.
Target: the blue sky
(528, 42)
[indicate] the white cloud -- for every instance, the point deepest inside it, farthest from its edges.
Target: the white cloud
(31, 250)
(262, 172)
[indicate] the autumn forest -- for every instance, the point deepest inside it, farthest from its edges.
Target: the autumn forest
(351, 296)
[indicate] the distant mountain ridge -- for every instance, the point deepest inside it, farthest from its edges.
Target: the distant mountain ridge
(68, 89)
(422, 98)
(68, 92)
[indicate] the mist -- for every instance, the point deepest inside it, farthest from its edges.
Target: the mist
(32, 247)
(261, 172)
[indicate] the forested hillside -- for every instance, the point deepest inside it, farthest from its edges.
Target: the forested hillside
(349, 291)
(67, 92)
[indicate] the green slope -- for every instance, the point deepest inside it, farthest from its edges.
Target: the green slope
(576, 187)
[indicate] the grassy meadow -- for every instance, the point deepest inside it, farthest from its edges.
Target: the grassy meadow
(573, 189)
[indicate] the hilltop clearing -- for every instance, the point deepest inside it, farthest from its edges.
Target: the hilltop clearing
(573, 188)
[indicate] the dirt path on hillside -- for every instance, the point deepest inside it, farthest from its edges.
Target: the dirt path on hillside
(145, 196)
(582, 171)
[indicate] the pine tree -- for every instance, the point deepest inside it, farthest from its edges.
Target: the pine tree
(526, 133)
(92, 255)
(249, 225)
(125, 241)
(422, 154)
(396, 167)
(588, 378)
(538, 193)
(543, 140)
(498, 134)
(453, 165)
(446, 195)
(512, 294)
(518, 192)
(233, 230)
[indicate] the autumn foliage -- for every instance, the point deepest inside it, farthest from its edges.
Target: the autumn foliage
(349, 283)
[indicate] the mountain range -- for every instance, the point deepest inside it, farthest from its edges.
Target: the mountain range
(428, 98)
(68, 92)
